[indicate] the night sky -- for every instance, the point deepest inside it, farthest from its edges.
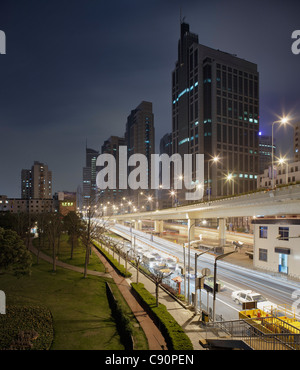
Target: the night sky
(75, 69)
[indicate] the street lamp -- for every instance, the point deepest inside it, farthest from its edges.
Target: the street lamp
(282, 121)
(282, 161)
(229, 177)
(149, 198)
(196, 298)
(221, 256)
(189, 259)
(213, 160)
(172, 193)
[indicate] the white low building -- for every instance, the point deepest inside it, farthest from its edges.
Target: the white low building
(284, 173)
(277, 245)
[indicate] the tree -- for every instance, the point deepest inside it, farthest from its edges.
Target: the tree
(72, 225)
(41, 220)
(92, 228)
(53, 230)
(14, 255)
(158, 278)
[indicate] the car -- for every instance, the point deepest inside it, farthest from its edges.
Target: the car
(244, 296)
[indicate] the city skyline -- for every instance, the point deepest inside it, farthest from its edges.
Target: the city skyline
(78, 81)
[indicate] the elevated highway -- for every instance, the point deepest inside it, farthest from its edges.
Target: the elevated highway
(280, 201)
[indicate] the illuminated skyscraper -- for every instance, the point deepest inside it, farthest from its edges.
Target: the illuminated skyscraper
(215, 112)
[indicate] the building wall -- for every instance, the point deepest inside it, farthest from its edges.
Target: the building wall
(113, 196)
(16, 205)
(37, 182)
(140, 139)
(283, 174)
(267, 244)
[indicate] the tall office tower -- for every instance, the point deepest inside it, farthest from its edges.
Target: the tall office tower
(165, 145)
(113, 197)
(37, 182)
(296, 142)
(89, 188)
(215, 112)
(164, 196)
(265, 152)
(140, 139)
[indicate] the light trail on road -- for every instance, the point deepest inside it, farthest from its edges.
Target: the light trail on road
(280, 291)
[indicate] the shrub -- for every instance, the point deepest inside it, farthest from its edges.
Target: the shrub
(115, 264)
(175, 336)
(24, 327)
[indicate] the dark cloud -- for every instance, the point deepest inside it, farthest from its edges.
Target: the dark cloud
(74, 69)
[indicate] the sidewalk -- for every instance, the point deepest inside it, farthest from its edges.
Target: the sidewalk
(184, 316)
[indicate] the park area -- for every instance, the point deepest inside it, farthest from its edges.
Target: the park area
(62, 310)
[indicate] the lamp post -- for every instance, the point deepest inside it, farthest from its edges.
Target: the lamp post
(282, 121)
(230, 178)
(196, 298)
(189, 260)
(215, 274)
(172, 192)
(214, 160)
(284, 161)
(150, 202)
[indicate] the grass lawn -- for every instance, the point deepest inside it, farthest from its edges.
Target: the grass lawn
(80, 309)
(78, 259)
(81, 314)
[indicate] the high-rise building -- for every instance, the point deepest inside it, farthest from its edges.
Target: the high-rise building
(265, 152)
(140, 139)
(215, 112)
(165, 145)
(89, 187)
(37, 182)
(113, 196)
(297, 142)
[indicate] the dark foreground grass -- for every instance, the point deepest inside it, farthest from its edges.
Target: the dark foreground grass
(79, 307)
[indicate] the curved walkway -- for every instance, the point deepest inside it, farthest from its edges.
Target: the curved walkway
(155, 339)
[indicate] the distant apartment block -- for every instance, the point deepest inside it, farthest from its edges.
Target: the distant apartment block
(17, 205)
(285, 173)
(36, 183)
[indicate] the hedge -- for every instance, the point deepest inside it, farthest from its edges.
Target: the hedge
(175, 336)
(115, 264)
(122, 320)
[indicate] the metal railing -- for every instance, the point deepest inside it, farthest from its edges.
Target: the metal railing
(267, 334)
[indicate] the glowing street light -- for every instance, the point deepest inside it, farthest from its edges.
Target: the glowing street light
(215, 159)
(229, 177)
(283, 161)
(282, 121)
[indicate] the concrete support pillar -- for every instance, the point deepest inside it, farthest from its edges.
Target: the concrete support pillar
(222, 232)
(158, 226)
(138, 225)
(191, 229)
